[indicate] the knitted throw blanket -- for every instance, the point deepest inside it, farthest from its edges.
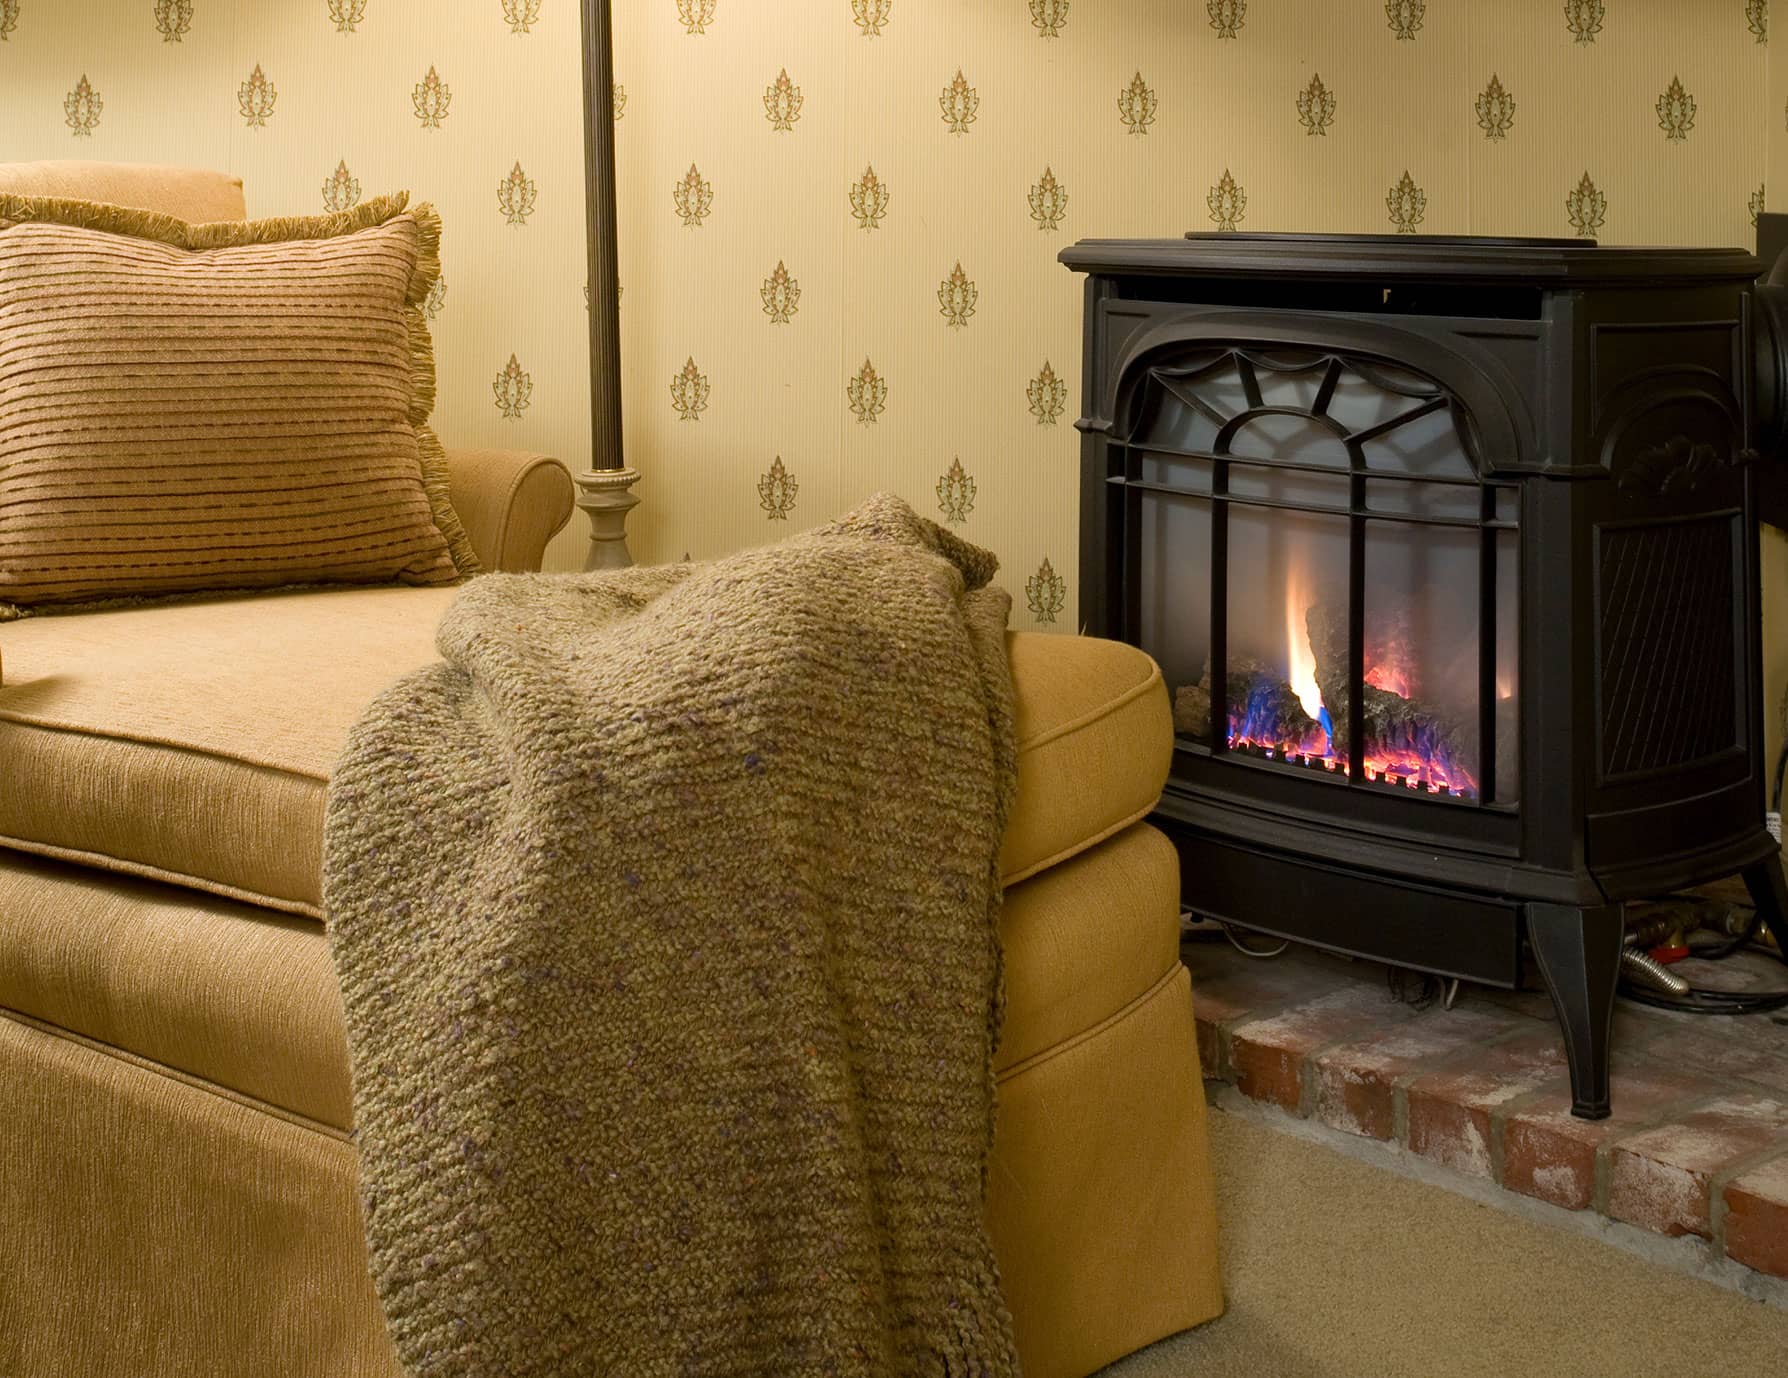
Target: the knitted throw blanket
(664, 916)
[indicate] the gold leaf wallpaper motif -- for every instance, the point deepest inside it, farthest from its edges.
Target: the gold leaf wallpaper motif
(696, 15)
(432, 98)
(522, 15)
(956, 493)
(1048, 201)
(1530, 117)
(173, 18)
(347, 14)
(1137, 104)
(1407, 204)
(1227, 202)
(255, 98)
(869, 200)
(1405, 17)
(689, 392)
(436, 300)
(1227, 16)
(1046, 592)
(1316, 107)
(693, 197)
(1755, 204)
(1585, 18)
(960, 103)
(516, 195)
(868, 394)
(1496, 110)
(514, 390)
(956, 298)
(81, 107)
(781, 295)
(776, 492)
(1048, 396)
(1676, 111)
(1587, 206)
(871, 15)
(782, 103)
(1049, 17)
(341, 189)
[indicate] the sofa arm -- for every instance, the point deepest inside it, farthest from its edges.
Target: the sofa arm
(511, 504)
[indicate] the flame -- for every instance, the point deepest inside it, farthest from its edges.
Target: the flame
(1299, 658)
(1392, 679)
(1418, 766)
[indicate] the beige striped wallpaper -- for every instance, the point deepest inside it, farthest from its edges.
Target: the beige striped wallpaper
(1000, 130)
(798, 332)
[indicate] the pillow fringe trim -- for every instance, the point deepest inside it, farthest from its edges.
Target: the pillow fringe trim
(435, 481)
(106, 218)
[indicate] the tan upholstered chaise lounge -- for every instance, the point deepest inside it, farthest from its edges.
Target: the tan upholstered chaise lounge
(177, 1177)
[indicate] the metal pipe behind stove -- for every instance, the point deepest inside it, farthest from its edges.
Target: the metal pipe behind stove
(1636, 966)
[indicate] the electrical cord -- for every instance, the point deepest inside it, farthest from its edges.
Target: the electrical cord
(1699, 1001)
(1247, 951)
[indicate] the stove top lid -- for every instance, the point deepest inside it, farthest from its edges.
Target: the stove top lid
(1457, 259)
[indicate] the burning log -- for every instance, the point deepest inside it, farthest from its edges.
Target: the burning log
(1258, 697)
(1192, 710)
(1392, 723)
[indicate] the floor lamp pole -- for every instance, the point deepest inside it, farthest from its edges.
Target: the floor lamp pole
(604, 491)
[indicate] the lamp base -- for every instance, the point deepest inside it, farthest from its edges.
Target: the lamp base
(605, 496)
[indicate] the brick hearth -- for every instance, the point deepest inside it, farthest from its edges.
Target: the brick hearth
(1697, 1145)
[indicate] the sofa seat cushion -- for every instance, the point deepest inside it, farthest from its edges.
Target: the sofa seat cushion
(1085, 941)
(192, 742)
(229, 995)
(240, 998)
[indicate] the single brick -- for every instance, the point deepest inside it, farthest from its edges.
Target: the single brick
(1451, 1111)
(1660, 1179)
(1550, 1154)
(1757, 1218)
(1356, 1083)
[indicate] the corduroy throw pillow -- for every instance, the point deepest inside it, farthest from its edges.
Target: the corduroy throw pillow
(196, 408)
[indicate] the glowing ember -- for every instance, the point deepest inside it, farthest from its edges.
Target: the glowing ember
(1390, 678)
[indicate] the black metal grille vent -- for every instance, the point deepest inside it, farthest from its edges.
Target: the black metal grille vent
(1667, 654)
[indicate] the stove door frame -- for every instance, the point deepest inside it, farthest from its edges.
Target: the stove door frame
(1471, 845)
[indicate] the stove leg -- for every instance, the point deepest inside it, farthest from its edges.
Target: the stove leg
(1578, 951)
(1769, 892)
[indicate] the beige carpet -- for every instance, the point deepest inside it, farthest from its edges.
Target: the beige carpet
(1340, 1269)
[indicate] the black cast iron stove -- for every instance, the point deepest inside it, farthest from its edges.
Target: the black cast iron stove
(1448, 550)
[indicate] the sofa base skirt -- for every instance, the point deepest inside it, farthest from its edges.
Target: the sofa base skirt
(152, 1225)
(1100, 1199)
